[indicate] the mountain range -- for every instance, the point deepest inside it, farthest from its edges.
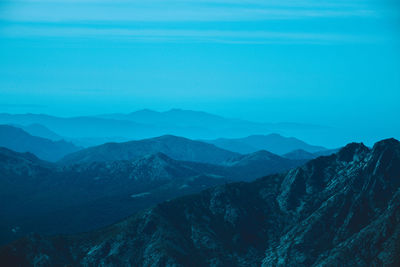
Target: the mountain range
(178, 148)
(48, 145)
(40, 131)
(337, 210)
(274, 143)
(300, 154)
(18, 140)
(90, 193)
(95, 130)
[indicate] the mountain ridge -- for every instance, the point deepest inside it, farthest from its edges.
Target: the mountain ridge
(319, 214)
(92, 194)
(274, 143)
(179, 148)
(19, 140)
(148, 123)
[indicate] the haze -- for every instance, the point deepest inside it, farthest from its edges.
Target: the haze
(331, 63)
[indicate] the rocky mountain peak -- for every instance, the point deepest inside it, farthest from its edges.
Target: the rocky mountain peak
(384, 162)
(387, 144)
(352, 152)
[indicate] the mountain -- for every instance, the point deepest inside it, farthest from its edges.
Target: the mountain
(11, 160)
(176, 117)
(246, 167)
(41, 195)
(338, 210)
(40, 131)
(300, 154)
(274, 143)
(94, 194)
(201, 125)
(147, 123)
(18, 140)
(200, 119)
(178, 148)
(89, 127)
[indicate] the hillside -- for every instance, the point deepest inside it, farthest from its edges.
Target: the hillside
(89, 195)
(178, 148)
(274, 143)
(18, 140)
(339, 210)
(246, 167)
(40, 131)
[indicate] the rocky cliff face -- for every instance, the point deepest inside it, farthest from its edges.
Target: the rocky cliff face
(339, 210)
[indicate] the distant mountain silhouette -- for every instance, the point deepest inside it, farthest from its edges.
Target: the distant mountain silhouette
(40, 196)
(18, 140)
(198, 124)
(178, 148)
(338, 210)
(147, 123)
(274, 143)
(83, 127)
(177, 117)
(40, 131)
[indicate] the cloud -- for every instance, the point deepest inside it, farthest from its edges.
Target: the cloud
(101, 19)
(178, 10)
(178, 35)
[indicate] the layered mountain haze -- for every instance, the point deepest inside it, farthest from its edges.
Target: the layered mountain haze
(18, 140)
(89, 127)
(40, 131)
(274, 143)
(338, 210)
(205, 123)
(176, 117)
(95, 130)
(185, 133)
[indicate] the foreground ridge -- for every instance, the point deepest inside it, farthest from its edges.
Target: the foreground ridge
(338, 210)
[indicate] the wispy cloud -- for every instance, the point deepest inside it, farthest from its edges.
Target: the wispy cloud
(177, 10)
(287, 3)
(165, 35)
(114, 19)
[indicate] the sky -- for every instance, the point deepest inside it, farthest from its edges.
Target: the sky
(333, 63)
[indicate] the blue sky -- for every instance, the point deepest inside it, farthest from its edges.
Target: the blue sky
(328, 62)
